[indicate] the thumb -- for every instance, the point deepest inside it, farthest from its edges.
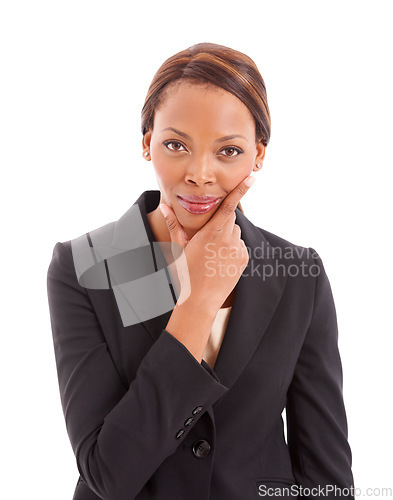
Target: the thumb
(176, 230)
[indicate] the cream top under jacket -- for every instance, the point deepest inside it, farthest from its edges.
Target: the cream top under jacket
(216, 336)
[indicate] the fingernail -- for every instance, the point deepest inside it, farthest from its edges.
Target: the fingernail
(249, 181)
(164, 210)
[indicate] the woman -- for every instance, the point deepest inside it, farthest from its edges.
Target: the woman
(182, 331)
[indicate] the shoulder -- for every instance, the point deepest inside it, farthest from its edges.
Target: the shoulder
(276, 257)
(281, 248)
(76, 255)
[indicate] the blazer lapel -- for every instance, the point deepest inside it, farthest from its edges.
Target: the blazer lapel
(255, 301)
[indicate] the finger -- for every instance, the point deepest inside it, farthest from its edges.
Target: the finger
(176, 230)
(228, 205)
(237, 230)
(227, 228)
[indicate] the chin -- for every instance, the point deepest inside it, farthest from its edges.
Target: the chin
(192, 220)
(195, 222)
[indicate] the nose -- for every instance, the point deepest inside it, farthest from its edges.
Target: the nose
(200, 171)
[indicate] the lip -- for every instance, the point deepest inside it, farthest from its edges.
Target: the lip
(198, 204)
(198, 199)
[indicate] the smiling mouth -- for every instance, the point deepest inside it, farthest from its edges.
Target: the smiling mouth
(198, 207)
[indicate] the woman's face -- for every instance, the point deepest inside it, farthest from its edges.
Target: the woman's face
(202, 143)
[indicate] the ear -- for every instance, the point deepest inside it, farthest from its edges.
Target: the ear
(261, 150)
(146, 140)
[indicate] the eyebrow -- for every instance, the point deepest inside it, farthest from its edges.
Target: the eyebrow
(221, 139)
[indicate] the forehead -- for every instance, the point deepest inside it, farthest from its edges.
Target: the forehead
(202, 104)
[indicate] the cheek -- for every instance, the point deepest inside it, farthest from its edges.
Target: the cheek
(167, 177)
(233, 177)
(165, 172)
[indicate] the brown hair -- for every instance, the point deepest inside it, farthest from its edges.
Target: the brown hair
(222, 66)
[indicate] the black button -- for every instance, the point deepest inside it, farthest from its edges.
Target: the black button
(188, 421)
(180, 433)
(201, 449)
(197, 410)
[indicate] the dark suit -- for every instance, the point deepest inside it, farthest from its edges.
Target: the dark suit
(147, 421)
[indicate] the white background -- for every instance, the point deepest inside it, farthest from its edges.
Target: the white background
(74, 78)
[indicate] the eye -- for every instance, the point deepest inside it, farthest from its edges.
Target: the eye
(175, 145)
(232, 152)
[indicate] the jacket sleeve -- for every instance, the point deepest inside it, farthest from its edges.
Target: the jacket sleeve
(120, 435)
(315, 412)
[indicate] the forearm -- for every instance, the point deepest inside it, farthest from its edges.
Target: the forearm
(120, 433)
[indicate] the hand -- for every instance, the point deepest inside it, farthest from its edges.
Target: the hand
(211, 263)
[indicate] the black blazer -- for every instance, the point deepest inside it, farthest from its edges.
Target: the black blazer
(146, 420)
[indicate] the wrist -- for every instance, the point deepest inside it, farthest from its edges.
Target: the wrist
(203, 305)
